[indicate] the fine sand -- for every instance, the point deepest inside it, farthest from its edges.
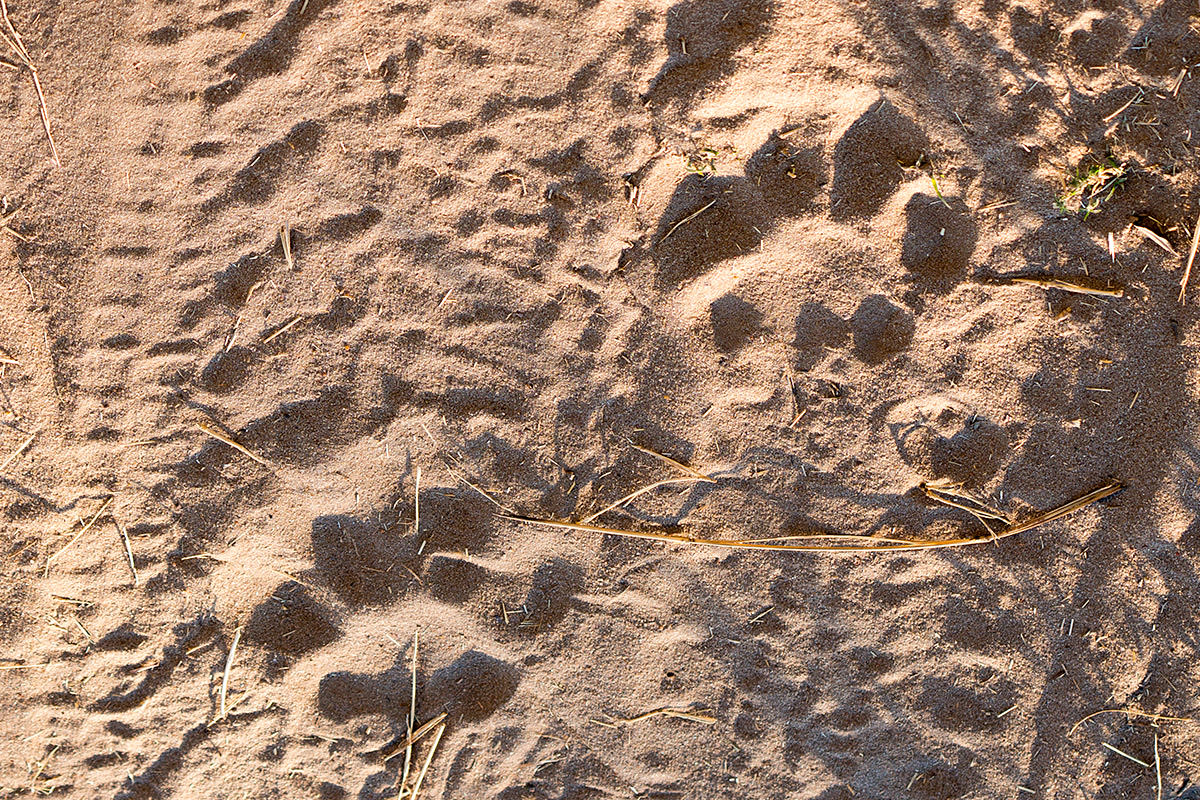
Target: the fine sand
(322, 293)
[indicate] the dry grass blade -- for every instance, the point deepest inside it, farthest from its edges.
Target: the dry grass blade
(867, 543)
(677, 713)
(687, 219)
(1129, 712)
(28, 666)
(695, 473)
(1187, 270)
(636, 494)
(128, 549)
(285, 240)
(237, 637)
(1123, 754)
(20, 449)
(1068, 286)
(1157, 767)
(82, 531)
(1158, 240)
(412, 711)
(437, 738)
(951, 494)
(414, 737)
(13, 39)
(283, 329)
(219, 436)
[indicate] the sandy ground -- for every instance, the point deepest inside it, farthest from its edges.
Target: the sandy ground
(773, 242)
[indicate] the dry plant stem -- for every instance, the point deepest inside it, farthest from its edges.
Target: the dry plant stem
(20, 449)
(687, 219)
(237, 637)
(13, 40)
(437, 738)
(416, 736)
(948, 495)
(636, 494)
(218, 435)
(128, 549)
(1158, 240)
(1187, 270)
(1067, 286)
(678, 713)
(869, 544)
(412, 711)
(697, 474)
(287, 327)
(285, 239)
(82, 531)
(1129, 713)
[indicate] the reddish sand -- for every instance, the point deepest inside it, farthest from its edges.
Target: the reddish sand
(771, 241)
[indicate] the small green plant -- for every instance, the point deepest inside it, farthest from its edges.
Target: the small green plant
(702, 162)
(1087, 190)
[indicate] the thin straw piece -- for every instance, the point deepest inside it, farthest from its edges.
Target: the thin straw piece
(437, 738)
(20, 449)
(869, 543)
(1187, 271)
(237, 637)
(415, 736)
(697, 474)
(218, 435)
(82, 531)
(1130, 713)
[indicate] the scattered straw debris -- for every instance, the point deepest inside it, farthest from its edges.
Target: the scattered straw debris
(1122, 753)
(11, 38)
(1130, 712)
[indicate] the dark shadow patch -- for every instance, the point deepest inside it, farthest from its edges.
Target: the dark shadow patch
(869, 160)
(881, 329)
(472, 688)
(734, 322)
(290, 621)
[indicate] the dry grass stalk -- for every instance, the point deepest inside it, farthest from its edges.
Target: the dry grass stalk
(20, 449)
(1187, 270)
(128, 549)
(412, 711)
(416, 736)
(951, 494)
(864, 543)
(1129, 712)
(687, 219)
(693, 475)
(285, 240)
(677, 713)
(1158, 240)
(11, 38)
(281, 331)
(219, 436)
(437, 738)
(28, 666)
(82, 531)
(1123, 754)
(1068, 286)
(237, 637)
